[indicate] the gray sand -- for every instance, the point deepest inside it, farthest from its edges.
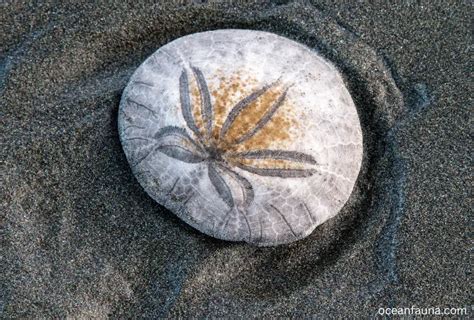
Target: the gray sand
(80, 238)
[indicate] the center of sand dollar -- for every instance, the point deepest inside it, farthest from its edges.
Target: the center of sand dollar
(245, 135)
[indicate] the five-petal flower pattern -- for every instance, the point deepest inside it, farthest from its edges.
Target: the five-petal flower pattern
(202, 145)
(244, 135)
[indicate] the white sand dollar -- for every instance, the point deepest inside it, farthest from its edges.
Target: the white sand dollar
(245, 135)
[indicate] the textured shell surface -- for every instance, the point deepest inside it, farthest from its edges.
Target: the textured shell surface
(245, 135)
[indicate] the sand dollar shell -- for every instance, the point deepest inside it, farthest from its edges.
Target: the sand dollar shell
(245, 135)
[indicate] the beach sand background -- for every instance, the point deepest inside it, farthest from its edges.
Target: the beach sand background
(80, 238)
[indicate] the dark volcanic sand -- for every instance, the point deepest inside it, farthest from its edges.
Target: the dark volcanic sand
(80, 238)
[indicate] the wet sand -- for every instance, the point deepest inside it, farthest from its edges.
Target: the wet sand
(79, 237)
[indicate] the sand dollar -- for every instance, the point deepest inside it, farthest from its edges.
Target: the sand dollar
(245, 135)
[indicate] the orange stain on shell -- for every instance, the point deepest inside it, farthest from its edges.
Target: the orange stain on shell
(268, 163)
(225, 95)
(233, 89)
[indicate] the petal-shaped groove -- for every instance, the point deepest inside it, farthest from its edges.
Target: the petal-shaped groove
(206, 106)
(265, 119)
(281, 173)
(275, 155)
(185, 100)
(239, 107)
(180, 153)
(245, 185)
(184, 142)
(180, 133)
(220, 185)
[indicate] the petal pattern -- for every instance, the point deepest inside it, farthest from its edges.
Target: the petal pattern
(180, 133)
(175, 142)
(241, 106)
(265, 119)
(180, 153)
(206, 106)
(185, 100)
(245, 185)
(220, 185)
(295, 156)
(281, 173)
